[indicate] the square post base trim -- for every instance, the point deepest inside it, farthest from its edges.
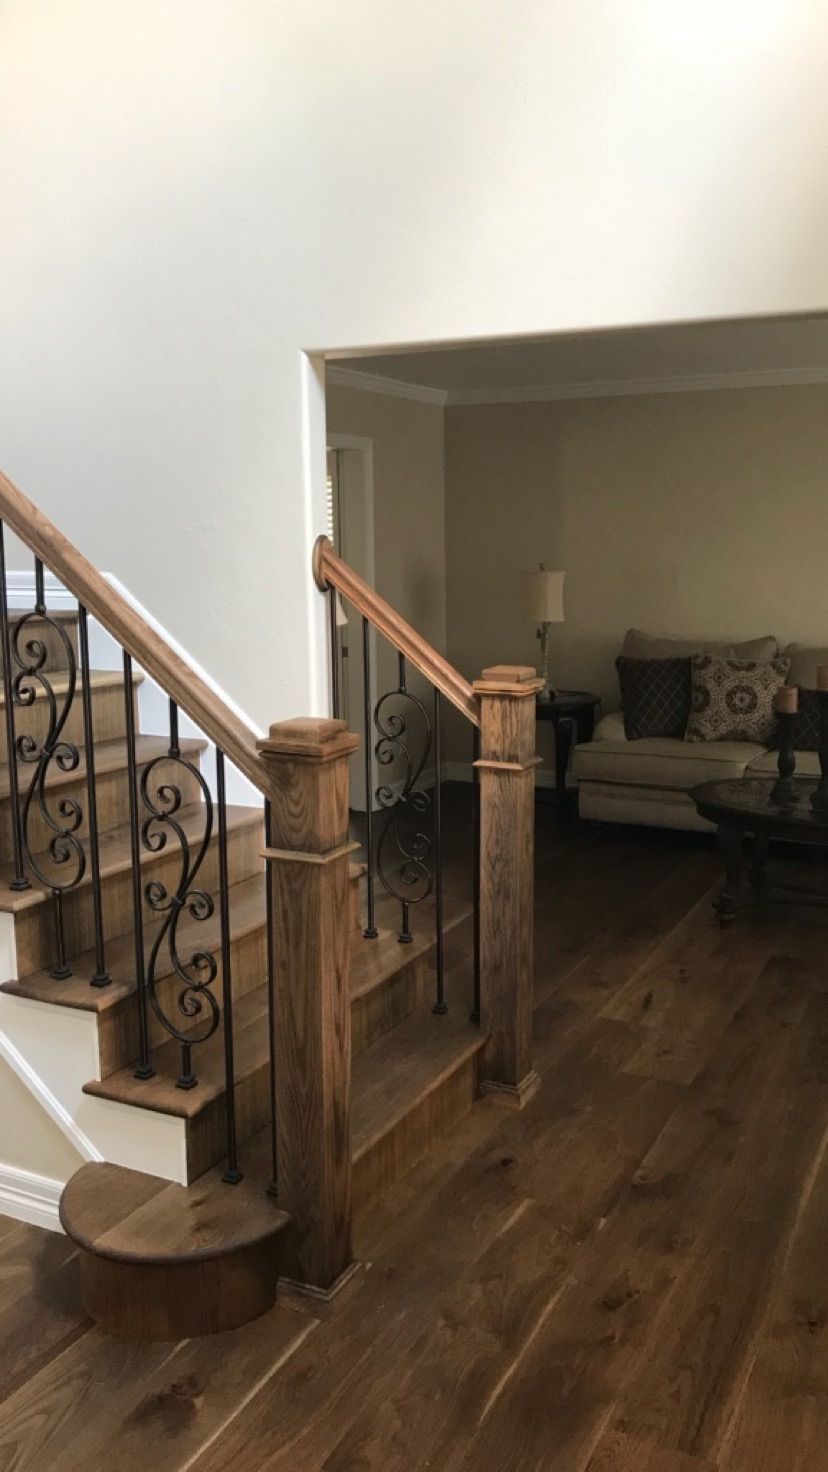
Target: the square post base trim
(512, 1096)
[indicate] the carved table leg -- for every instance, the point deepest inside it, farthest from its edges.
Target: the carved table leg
(758, 863)
(731, 848)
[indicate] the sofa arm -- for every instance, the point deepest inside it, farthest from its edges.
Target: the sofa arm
(610, 728)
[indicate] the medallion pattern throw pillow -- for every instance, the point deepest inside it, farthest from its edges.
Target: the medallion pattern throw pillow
(655, 696)
(732, 699)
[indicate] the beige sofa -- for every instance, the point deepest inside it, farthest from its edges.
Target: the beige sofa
(650, 781)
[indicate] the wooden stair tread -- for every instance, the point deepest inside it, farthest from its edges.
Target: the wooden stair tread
(115, 851)
(110, 756)
(248, 910)
(403, 1066)
(373, 961)
(132, 1217)
(60, 679)
(159, 1093)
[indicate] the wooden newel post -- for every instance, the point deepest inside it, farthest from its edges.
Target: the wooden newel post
(506, 770)
(308, 873)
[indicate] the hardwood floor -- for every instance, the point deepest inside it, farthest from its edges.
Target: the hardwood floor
(628, 1276)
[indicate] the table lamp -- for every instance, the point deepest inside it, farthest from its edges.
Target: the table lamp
(544, 606)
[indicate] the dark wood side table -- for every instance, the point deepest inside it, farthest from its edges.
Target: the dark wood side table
(745, 806)
(572, 713)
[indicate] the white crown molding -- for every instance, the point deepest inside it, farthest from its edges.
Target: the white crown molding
(375, 383)
(30, 1198)
(609, 389)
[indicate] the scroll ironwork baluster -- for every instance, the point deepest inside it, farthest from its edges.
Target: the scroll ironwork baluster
(63, 818)
(475, 1012)
(101, 976)
(144, 1068)
(19, 880)
(196, 1001)
(232, 1174)
(271, 1004)
(370, 932)
(440, 1004)
(402, 838)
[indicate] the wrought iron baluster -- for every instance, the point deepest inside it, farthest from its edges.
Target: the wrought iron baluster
(101, 976)
(144, 1068)
(336, 694)
(440, 1005)
(271, 1004)
(65, 818)
(370, 932)
(475, 1012)
(19, 880)
(232, 1175)
(402, 837)
(196, 1001)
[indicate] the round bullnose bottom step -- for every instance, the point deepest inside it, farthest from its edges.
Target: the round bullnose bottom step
(179, 1300)
(163, 1261)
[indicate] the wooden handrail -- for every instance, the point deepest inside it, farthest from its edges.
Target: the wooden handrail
(331, 570)
(133, 633)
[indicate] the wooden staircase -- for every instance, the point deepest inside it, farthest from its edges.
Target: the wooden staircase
(171, 1259)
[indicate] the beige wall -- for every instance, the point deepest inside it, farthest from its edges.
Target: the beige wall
(701, 513)
(409, 499)
(29, 1139)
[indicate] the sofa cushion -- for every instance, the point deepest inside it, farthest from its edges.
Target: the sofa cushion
(733, 699)
(655, 696)
(807, 764)
(805, 661)
(639, 645)
(661, 761)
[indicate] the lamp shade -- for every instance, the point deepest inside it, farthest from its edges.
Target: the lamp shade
(543, 596)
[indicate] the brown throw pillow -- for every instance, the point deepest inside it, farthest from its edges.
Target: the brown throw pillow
(655, 696)
(732, 699)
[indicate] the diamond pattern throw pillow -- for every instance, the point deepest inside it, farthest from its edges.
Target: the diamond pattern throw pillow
(732, 699)
(655, 696)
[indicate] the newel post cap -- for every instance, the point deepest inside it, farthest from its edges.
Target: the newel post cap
(309, 739)
(509, 679)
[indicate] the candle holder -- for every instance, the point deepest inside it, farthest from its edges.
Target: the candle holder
(784, 788)
(819, 798)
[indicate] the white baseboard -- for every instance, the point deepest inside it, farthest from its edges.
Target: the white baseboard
(30, 1198)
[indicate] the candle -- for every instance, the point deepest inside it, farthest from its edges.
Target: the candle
(787, 699)
(822, 677)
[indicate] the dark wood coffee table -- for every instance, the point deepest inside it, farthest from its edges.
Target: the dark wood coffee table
(742, 807)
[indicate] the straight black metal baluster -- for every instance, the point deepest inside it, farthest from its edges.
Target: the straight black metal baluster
(370, 932)
(405, 937)
(232, 1175)
(271, 1004)
(101, 977)
(440, 1005)
(336, 698)
(19, 881)
(475, 1012)
(144, 1069)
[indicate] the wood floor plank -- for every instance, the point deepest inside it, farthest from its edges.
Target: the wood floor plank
(421, 1418)
(617, 1452)
(41, 1321)
(130, 1405)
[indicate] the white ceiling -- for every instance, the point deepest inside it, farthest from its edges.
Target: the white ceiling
(640, 360)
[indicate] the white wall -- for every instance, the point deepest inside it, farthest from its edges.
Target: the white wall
(29, 1139)
(691, 513)
(195, 193)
